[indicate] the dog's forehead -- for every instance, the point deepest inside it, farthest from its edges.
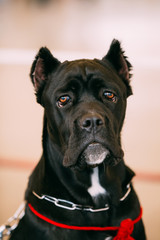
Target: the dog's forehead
(72, 74)
(86, 68)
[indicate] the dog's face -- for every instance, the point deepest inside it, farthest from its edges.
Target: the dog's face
(85, 102)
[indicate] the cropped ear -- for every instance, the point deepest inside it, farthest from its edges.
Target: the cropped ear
(42, 66)
(119, 61)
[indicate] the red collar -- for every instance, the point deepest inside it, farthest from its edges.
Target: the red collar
(124, 230)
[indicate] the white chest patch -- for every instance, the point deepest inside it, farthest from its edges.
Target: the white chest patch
(95, 189)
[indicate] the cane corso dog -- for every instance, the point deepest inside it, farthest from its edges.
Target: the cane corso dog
(81, 187)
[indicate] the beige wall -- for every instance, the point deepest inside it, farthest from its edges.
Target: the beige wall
(74, 29)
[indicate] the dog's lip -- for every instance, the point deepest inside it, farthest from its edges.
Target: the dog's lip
(94, 143)
(98, 156)
(111, 155)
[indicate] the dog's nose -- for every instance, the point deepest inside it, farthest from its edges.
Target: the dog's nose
(92, 123)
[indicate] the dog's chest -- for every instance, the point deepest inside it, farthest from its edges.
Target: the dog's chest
(96, 189)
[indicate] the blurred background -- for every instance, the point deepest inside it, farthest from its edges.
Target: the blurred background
(79, 29)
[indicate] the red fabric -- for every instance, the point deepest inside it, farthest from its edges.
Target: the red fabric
(124, 231)
(61, 225)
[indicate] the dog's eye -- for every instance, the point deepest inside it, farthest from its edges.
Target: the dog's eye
(110, 96)
(62, 101)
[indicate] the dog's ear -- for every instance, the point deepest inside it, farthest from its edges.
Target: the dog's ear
(119, 61)
(42, 66)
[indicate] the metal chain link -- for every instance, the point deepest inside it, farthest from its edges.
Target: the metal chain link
(72, 206)
(6, 229)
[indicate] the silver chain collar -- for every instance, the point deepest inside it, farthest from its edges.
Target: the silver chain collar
(69, 205)
(73, 206)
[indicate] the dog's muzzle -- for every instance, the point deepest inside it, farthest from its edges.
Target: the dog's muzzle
(92, 144)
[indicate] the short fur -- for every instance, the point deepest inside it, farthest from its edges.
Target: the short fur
(84, 107)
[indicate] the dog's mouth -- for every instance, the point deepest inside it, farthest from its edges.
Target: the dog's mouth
(94, 154)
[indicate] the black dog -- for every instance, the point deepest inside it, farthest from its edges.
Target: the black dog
(81, 187)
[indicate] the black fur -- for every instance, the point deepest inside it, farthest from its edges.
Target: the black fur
(96, 93)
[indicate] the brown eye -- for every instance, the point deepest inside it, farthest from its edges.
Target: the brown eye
(110, 96)
(62, 101)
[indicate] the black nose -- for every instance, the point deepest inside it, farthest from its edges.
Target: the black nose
(92, 123)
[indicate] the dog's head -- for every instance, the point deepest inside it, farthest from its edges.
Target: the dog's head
(84, 102)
